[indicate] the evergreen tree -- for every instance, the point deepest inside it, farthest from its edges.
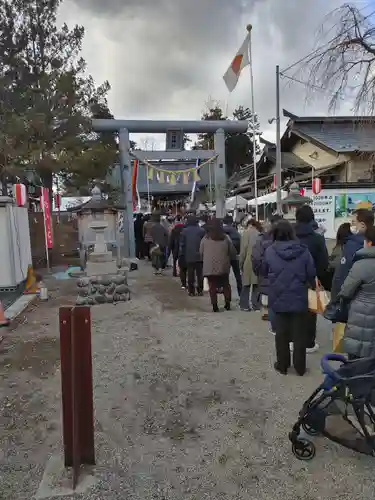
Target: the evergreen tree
(47, 97)
(238, 146)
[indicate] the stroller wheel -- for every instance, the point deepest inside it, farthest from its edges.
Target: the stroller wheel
(310, 430)
(303, 449)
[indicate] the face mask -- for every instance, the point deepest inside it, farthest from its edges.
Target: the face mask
(354, 229)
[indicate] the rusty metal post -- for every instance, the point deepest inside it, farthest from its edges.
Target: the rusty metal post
(77, 388)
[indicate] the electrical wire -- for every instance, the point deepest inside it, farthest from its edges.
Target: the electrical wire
(314, 87)
(316, 51)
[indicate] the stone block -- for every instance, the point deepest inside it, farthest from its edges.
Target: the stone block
(97, 268)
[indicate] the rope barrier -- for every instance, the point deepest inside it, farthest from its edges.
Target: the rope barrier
(172, 172)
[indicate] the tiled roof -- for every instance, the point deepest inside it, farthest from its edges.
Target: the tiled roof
(341, 137)
(343, 134)
(289, 160)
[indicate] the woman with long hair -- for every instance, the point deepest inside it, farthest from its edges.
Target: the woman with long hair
(217, 251)
(342, 235)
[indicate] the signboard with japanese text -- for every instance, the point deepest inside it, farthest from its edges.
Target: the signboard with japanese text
(333, 207)
(324, 210)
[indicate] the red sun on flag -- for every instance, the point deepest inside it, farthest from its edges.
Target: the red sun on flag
(236, 63)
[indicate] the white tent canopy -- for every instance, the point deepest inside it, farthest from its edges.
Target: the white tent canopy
(233, 202)
(267, 198)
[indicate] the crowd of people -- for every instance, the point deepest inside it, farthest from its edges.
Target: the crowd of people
(274, 265)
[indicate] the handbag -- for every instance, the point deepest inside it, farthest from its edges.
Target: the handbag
(337, 337)
(317, 299)
(337, 312)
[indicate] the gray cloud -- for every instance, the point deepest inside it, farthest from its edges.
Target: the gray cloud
(164, 58)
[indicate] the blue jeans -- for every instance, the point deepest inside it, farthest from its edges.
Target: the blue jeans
(271, 319)
(245, 297)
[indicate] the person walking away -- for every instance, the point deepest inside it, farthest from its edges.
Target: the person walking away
(217, 252)
(363, 219)
(147, 235)
(342, 235)
(160, 238)
(190, 240)
(249, 278)
(235, 237)
(305, 232)
(290, 269)
(138, 236)
(257, 258)
(358, 290)
(174, 245)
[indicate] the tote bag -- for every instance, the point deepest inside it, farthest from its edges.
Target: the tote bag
(337, 337)
(317, 299)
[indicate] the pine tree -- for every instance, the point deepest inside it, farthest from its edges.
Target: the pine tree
(46, 93)
(238, 146)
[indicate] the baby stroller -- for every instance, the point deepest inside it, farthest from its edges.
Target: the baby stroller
(340, 409)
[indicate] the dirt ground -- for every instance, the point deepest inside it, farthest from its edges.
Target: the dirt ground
(187, 405)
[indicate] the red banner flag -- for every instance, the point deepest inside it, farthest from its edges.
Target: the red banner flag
(134, 184)
(46, 207)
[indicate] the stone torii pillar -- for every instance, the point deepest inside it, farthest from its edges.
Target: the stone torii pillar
(124, 127)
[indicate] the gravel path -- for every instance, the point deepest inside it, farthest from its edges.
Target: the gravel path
(187, 405)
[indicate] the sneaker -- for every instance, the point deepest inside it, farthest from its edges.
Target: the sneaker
(280, 370)
(183, 287)
(311, 350)
(245, 309)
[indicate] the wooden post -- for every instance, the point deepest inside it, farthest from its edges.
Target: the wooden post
(77, 388)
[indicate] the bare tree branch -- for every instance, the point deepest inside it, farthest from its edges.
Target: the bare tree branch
(345, 65)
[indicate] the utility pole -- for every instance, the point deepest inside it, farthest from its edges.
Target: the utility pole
(278, 144)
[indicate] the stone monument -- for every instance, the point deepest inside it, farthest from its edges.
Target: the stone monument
(293, 201)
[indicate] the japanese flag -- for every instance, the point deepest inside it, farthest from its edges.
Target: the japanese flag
(240, 61)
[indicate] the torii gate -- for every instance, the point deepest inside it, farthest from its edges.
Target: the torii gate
(174, 131)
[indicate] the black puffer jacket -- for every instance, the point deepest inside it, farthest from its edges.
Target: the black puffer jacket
(174, 239)
(317, 246)
(234, 235)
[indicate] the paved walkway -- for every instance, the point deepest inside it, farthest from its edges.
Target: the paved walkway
(187, 405)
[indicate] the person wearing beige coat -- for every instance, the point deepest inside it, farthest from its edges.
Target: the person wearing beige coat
(249, 278)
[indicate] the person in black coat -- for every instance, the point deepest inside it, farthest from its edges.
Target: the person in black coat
(235, 237)
(138, 236)
(174, 246)
(315, 242)
(189, 254)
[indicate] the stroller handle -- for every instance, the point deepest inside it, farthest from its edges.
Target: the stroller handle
(327, 358)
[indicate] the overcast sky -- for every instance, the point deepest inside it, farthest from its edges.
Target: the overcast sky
(166, 58)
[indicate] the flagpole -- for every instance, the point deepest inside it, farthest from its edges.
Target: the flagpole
(249, 29)
(148, 190)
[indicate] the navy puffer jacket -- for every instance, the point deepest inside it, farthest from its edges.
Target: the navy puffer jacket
(352, 244)
(291, 271)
